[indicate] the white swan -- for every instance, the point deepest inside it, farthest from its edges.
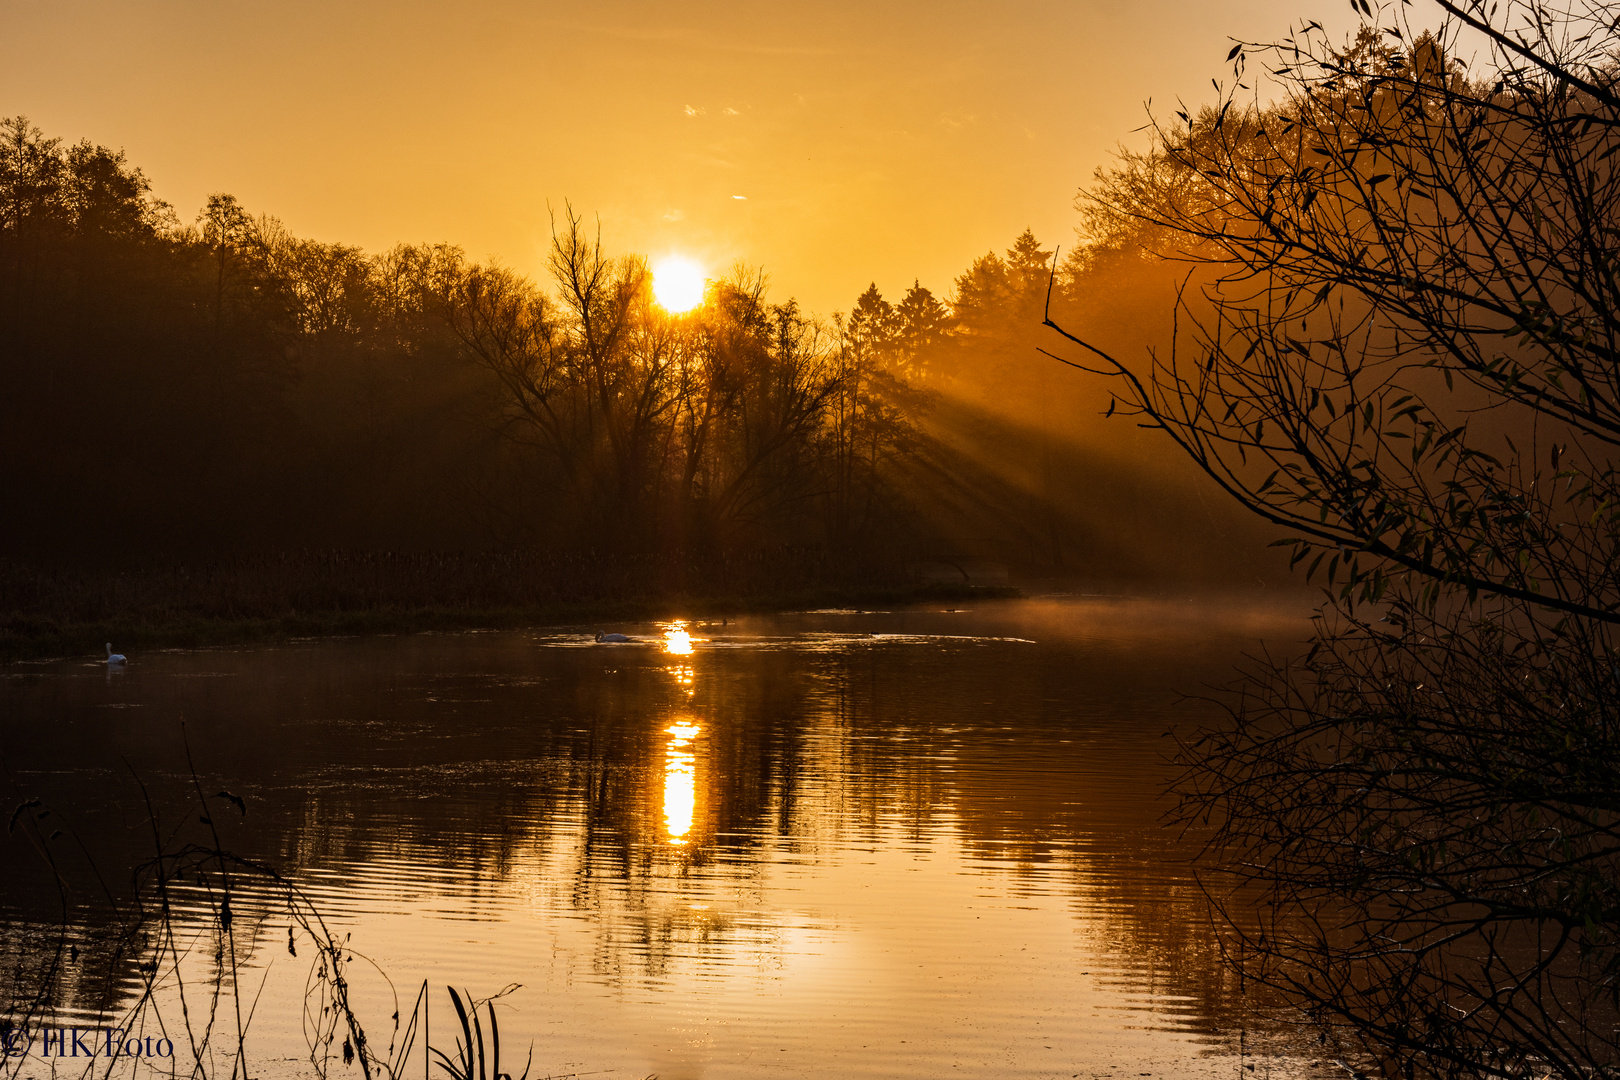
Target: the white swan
(114, 657)
(612, 638)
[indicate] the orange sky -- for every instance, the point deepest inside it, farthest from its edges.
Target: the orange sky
(872, 141)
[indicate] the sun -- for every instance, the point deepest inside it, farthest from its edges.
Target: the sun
(678, 284)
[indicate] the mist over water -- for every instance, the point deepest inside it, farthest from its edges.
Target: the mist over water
(832, 843)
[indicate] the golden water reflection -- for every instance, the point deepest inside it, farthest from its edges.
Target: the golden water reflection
(680, 781)
(933, 837)
(677, 642)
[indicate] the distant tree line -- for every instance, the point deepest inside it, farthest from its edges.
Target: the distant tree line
(215, 384)
(186, 389)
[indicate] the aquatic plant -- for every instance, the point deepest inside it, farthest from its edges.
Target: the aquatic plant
(184, 934)
(474, 1059)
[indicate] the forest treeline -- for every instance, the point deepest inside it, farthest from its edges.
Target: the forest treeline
(187, 390)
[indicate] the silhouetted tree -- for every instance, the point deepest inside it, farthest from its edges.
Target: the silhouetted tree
(224, 389)
(924, 323)
(1398, 345)
(700, 429)
(216, 386)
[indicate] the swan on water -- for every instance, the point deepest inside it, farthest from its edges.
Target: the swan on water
(114, 657)
(612, 638)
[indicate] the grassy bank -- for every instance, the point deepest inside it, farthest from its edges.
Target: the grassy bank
(67, 612)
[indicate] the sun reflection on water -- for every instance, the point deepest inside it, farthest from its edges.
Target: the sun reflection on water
(680, 781)
(677, 641)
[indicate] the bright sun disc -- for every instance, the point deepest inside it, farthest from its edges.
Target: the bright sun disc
(678, 284)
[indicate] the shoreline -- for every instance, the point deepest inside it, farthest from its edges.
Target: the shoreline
(26, 637)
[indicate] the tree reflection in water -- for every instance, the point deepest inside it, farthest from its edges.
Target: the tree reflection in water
(796, 832)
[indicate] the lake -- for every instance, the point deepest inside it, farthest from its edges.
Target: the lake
(911, 843)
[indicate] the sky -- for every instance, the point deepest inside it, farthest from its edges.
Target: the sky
(832, 144)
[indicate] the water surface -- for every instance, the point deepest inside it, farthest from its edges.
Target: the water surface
(856, 844)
